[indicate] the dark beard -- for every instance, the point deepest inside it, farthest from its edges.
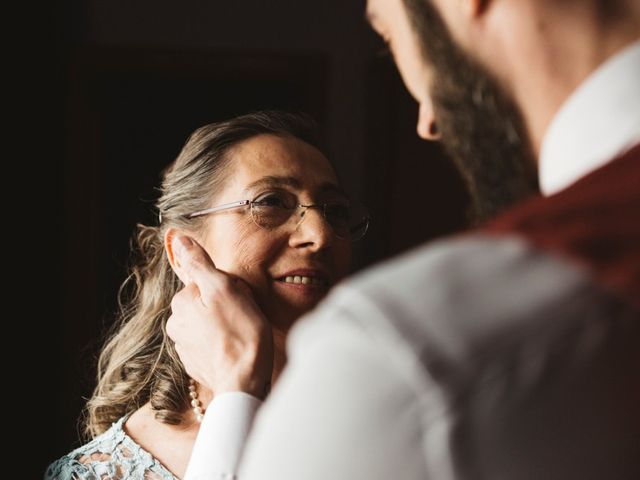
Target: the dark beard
(481, 127)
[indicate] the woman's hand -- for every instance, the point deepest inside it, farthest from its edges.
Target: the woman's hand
(220, 334)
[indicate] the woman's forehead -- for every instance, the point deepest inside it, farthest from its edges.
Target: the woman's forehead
(271, 159)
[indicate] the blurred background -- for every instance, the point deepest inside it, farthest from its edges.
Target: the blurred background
(126, 82)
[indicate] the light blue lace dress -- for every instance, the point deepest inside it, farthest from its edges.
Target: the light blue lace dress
(110, 456)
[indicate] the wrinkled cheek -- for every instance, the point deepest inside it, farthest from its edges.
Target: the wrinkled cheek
(251, 264)
(240, 249)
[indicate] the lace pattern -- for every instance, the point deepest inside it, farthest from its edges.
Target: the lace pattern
(110, 456)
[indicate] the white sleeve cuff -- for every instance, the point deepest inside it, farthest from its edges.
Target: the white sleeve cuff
(223, 433)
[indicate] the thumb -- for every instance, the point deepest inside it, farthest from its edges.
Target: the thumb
(180, 245)
(194, 265)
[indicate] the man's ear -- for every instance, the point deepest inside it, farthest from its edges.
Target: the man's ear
(475, 8)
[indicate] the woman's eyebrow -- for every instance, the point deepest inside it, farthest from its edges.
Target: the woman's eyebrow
(274, 181)
(277, 181)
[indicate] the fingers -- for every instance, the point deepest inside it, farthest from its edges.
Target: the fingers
(182, 301)
(187, 363)
(195, 266)
(191, 257)
(184, 305)
(220, 334)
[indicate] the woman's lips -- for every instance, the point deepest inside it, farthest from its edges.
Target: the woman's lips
(304, 276)
(304, 280)
(308, 289)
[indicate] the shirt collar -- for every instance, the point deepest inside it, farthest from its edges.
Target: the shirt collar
(599, 121)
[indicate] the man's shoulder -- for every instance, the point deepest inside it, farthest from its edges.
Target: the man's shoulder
(463, 298)
(593, 222)
(458, 310)
(477, 271)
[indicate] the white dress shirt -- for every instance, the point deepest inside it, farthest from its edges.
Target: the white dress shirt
(223, 434)
(599, 121)
(337, 374)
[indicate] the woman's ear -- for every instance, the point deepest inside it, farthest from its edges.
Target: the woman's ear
(169, 237)
(168, 246)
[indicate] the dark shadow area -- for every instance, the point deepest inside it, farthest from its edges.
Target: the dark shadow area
(413, 191)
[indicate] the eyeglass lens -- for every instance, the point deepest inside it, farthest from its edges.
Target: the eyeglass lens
(349, 220)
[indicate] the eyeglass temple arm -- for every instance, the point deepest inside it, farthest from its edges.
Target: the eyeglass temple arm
(219, 208)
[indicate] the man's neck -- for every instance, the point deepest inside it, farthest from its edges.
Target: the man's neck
(566, 48)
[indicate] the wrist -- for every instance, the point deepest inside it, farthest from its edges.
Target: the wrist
(257, 387)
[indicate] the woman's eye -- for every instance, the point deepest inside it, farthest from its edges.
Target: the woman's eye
(272, 200)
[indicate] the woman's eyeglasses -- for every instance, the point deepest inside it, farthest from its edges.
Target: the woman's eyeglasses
(348, 219)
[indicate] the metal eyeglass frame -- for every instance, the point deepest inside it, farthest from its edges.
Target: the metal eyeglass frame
(242, 203)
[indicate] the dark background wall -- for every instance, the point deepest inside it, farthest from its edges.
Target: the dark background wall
(127, 81)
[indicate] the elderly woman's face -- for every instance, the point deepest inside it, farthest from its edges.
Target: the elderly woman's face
(292, 266)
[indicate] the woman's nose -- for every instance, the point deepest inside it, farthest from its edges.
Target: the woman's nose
(427, 128)
(312, 230)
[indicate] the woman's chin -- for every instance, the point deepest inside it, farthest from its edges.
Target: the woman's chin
(294, 300)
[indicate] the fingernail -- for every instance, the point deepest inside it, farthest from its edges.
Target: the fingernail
(181, 244)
